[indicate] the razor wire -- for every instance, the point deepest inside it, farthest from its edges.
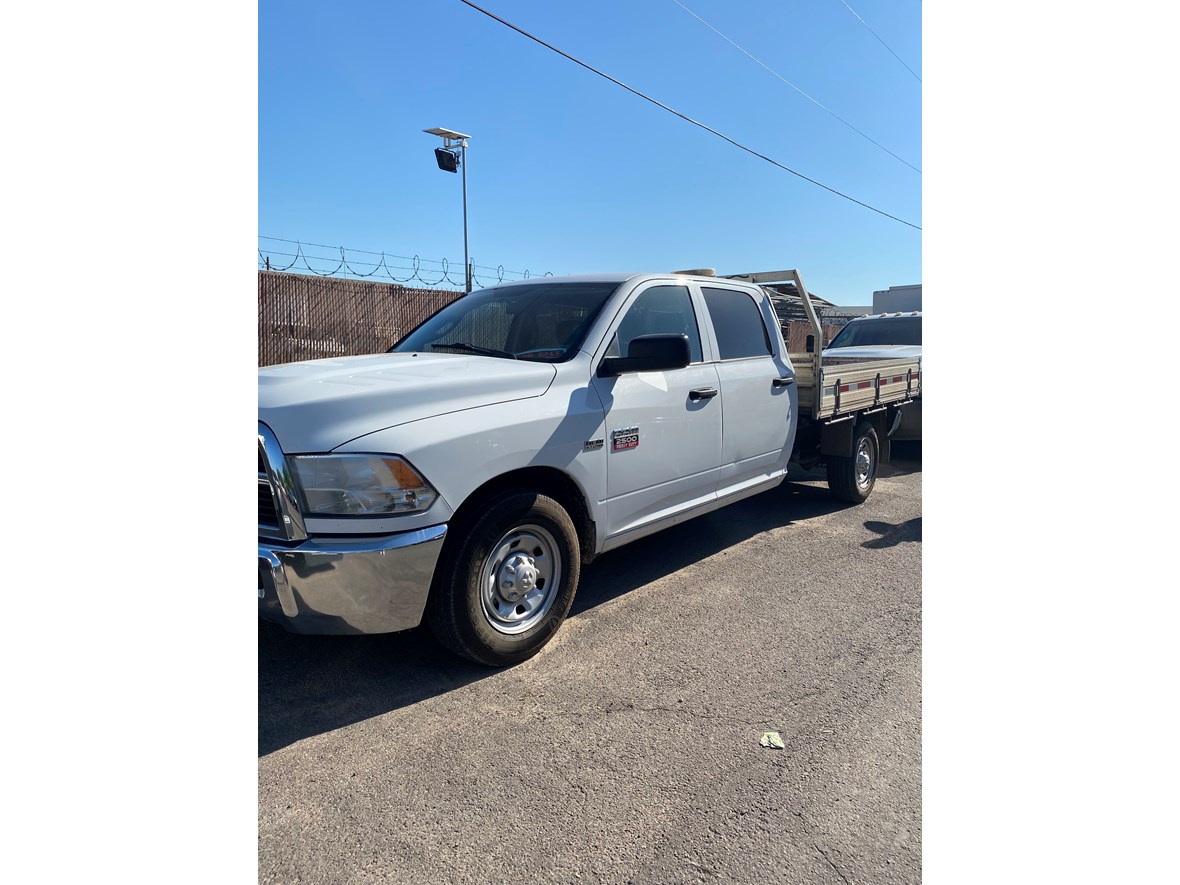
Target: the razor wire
(430, 273)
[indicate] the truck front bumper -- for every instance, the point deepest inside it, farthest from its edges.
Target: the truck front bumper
(349, 585)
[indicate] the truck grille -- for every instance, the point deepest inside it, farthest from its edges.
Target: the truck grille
(279, 515)
(268, 516)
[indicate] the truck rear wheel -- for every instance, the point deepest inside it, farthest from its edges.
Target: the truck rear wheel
(852, 479)
(507, 586)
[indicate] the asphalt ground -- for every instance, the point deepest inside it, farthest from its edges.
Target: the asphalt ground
(629, 749)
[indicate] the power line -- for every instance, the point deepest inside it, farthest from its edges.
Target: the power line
(793, 86)
(882, 42)
(688, 119)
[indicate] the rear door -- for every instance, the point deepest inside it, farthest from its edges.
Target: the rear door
(758, 397)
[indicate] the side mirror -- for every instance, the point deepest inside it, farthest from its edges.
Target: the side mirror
(648, 353)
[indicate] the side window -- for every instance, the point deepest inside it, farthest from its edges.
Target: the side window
(738, 324)
(660, 310)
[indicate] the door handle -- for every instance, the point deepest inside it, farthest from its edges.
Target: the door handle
(701, 393)
(783, 382)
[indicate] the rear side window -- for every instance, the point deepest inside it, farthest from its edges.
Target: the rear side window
(738, 324)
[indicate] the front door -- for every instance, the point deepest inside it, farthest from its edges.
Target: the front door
(663, 429)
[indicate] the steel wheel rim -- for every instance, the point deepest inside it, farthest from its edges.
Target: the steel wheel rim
(520, 579)
(864, 462)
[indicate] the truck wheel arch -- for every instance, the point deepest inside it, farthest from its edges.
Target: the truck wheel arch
(545, 480)
(852, 478)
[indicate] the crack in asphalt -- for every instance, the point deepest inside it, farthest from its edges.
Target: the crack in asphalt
(830, 863)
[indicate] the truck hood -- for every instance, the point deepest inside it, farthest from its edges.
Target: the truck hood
(318, 405)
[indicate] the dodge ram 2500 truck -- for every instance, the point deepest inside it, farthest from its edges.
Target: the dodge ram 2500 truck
(466, 475)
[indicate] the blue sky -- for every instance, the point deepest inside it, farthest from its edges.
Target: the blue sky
(568, 172)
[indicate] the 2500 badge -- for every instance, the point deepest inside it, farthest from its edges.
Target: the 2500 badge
(625, 438)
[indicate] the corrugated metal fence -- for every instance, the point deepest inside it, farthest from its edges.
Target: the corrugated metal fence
(303, 317)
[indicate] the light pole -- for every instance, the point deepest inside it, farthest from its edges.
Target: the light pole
(453, 154)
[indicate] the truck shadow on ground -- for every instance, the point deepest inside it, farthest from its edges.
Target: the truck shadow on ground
(905, 458)
(667, 552)
(309, 685)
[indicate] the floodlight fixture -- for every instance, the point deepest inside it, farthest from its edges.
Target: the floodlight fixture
(448, 161)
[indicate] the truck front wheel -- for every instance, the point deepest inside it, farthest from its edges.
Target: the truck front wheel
(510, 581)
(852, 479)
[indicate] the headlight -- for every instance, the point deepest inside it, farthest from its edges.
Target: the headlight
(360, 485)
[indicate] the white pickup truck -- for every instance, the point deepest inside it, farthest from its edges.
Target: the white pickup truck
(466, 476)
(883, 336)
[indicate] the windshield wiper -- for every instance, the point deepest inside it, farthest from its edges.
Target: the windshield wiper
(474, 348)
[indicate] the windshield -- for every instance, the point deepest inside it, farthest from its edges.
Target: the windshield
(887, 330)
(529, 322)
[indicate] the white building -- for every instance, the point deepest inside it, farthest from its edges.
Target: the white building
(896, 299)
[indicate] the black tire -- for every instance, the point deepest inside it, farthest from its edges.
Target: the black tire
(506, 583)
(852, 479)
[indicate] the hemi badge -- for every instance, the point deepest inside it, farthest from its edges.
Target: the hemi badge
(626, 438)
(592, 445)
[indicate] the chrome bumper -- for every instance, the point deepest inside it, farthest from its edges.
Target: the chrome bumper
(349, 585)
